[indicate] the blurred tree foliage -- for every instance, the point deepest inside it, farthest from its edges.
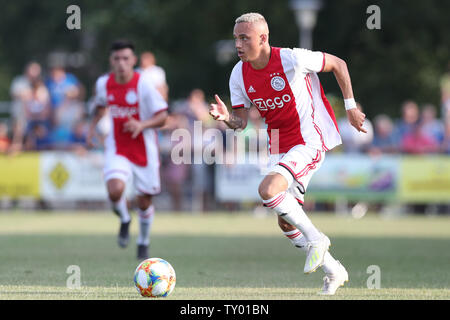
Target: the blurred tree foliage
(403, 60)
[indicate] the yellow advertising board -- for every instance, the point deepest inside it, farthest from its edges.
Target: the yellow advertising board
(424, 179)
(19, 175)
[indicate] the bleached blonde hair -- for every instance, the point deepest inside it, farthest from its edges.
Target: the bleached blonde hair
(251, 17)
(254, 17)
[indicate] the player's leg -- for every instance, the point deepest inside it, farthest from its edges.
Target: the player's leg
(116, 174)
(330, 265)
(147, 182)
(116, 194)
(335, 273)
(273, 190)
(297, 239)
(146, 213)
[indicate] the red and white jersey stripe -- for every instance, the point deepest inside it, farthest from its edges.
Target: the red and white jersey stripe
(139, 99)
(289, 96)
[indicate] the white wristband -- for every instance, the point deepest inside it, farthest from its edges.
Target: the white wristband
(349, 103)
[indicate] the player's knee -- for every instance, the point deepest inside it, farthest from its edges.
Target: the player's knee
(115, 191)
(271, 186)
(143, 202)
(264, 191)
(115, 195)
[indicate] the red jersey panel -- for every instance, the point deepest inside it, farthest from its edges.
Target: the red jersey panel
(270, 92)
(123, 102)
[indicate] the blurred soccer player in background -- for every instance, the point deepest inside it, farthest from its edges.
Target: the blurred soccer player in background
(154, 72)
(283, 85)
(136, 109)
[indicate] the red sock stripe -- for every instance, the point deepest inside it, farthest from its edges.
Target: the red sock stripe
(274, 203)
(295, 235)
(146, 214)
(278, 202)
(271, 202)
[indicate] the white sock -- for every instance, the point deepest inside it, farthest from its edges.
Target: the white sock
(297, 239)
(330, 265)
(288, 208)
(145, 224)
(122, 208)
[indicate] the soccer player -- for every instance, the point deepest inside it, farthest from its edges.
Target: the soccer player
(136, 109)
(283, 85)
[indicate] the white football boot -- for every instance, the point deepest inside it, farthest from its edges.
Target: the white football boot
(331, 282)
(316, 253)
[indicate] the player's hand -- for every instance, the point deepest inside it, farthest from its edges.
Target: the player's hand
(219, 110)
(134, 126)
(356, 118)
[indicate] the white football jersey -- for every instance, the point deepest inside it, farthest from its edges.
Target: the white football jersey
(139, 99)
(289, 96)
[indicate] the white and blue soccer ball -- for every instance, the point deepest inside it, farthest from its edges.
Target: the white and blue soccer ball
(154, 278)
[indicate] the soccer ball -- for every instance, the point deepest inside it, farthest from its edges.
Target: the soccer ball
(154, 278)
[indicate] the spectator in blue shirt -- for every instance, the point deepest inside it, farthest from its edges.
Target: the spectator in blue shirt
(383, 141)
(431, 125)
(62, 86)
(65, 94)
(410, 117)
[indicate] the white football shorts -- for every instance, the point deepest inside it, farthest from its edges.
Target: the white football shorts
(298, 166)
(146, 180)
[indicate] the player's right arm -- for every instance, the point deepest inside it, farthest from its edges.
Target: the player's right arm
(99, 109)
(99, 112)
(235, 120)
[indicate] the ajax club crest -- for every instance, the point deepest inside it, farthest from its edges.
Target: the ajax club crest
(131, 97)
(277, 83)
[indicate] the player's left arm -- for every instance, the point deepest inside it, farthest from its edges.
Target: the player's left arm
(340, 70)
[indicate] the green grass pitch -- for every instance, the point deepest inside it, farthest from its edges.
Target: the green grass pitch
(220, 256)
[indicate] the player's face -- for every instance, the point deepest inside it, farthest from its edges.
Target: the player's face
(122, 62)
(248, 41)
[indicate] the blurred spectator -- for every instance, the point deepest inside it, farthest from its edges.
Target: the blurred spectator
(65, 118)
(21, 91)
(156, 73)
(255, 132)
(383, 141)
(38, 138)
(37, 107)
(196, 111)
(416, 142)
(174, 175)
(353, 140)
(78, 137)
(62, 85)
(445, 147)
(4, 139)
(445, 94)
(78, 133)
(410, 116)
(198, 107)
(431, 125)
